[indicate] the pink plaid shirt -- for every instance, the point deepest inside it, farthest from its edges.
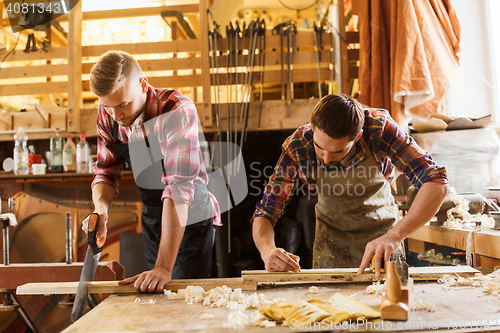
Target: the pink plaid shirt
(177, 135)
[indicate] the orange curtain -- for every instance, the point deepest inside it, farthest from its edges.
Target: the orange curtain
(408, 55)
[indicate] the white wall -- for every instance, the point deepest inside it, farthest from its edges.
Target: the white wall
(477, 95)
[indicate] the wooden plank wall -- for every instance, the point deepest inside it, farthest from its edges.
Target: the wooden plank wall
(51, 69)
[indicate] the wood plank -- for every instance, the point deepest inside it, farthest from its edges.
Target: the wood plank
(274, 76)
(33, 88)
(304, 39)
(75, 68)
(275, 120)
(274, 59)
(187, 45)
(336, 275)
(110, 287)
(16, 275)
(19, 55)
(132, 12)
(487, 243)
(454, 238)
(62, 70)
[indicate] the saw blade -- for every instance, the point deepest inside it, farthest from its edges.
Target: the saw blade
(88, 272)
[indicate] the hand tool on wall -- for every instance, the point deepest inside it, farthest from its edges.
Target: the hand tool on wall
(94, 249)
(229, 88)
(316, 46)
(279, 29)
(288, 31)
(254, 35)
(262, 65)
(217, 115)
(217, 35)
(236, 56)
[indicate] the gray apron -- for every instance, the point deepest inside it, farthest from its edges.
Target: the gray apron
(354, 207)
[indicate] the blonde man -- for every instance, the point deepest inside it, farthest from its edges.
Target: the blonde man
(178, 216)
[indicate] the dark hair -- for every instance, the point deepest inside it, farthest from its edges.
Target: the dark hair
(338, 116)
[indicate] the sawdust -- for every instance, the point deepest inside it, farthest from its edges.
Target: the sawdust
(313, 290)
(420, 305)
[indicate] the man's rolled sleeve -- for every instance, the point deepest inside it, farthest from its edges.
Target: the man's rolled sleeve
(279, 190)
(179, 144)
(410, 158)
(109, 167)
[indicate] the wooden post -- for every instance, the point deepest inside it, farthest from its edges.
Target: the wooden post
(74, 68)
(205, 111)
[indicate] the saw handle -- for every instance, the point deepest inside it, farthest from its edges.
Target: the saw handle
(95, 244)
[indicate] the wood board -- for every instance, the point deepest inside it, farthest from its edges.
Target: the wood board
(335, 275)
(112, 287)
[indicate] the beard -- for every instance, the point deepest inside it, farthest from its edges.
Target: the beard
(127, 122)
(331, 164)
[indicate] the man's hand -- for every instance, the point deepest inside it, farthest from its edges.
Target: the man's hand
(278, 260)
(383, 245)
(149, 281)
(102, 230)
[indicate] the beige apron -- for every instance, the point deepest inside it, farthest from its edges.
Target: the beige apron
(354, 207)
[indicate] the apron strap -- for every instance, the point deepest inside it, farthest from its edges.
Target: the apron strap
(115, 130)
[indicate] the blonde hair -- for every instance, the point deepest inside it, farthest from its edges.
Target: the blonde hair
(112, 71)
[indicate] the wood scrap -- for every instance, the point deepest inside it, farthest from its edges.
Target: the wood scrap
(111, 287)
(335, 275)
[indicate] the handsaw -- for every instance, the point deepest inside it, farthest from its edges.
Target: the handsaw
(89, 267)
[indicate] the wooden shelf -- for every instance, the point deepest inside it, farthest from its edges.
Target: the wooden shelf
(10, 177)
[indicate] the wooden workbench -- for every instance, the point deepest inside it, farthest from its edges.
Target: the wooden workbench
(485, 245)
(461, 306)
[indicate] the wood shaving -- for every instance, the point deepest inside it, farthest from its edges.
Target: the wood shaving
(460, 218)
(235, 300)
(138, 300)
(313, 290)
(420, 305)
(375, 288)
(236, 320)
(258, 319)
(206, 316)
